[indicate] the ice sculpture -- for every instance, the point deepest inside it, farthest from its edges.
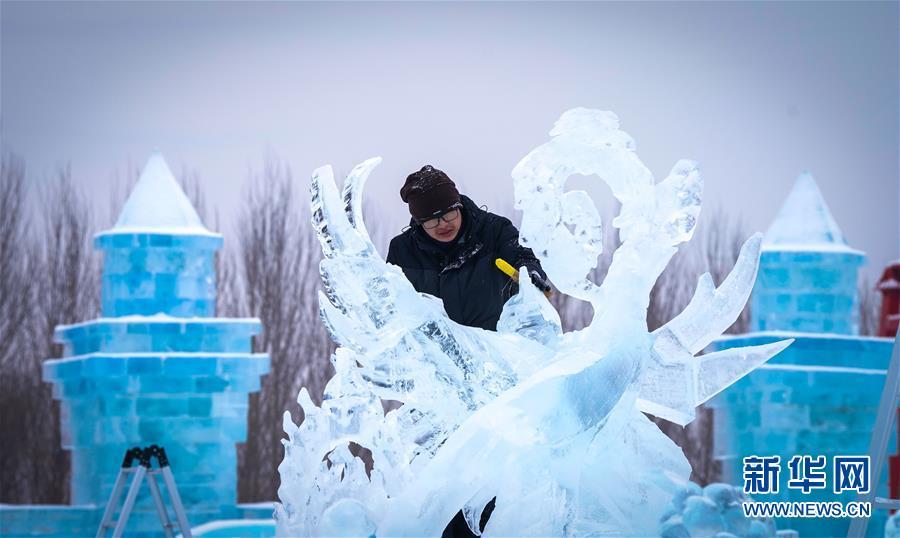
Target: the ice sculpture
(549, 423)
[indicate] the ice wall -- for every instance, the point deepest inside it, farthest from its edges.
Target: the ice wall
(818, 397)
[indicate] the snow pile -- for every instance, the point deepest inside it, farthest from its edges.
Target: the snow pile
(712, 511)
(549, 423)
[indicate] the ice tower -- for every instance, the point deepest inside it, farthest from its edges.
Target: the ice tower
(807, 272)
(157, 367)
(820, 396)
(158, 258)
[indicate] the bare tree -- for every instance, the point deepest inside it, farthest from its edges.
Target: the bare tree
(63, 288)
(15, 259)
(68, 292)
(16, 313)
(275, 277)
(193, 188)
(71, 266)
(869, 308)
(123, 182)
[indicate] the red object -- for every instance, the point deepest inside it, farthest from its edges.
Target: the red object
(889, 286)
(894, 477)
(894, 467)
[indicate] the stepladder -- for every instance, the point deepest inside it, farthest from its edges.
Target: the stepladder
(878, 446)
(137, 468)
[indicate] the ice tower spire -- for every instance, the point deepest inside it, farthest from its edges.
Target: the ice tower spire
(804, 221)
(159, 258)
(158, 204)
(807, 271)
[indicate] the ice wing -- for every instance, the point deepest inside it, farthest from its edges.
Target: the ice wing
(674, 382)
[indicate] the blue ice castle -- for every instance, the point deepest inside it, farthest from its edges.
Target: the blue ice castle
(820, 396)
(156, 368)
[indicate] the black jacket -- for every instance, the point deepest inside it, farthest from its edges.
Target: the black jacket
(465, 276)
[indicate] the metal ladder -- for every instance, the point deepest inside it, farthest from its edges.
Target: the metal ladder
(878, 446)
(143, 469)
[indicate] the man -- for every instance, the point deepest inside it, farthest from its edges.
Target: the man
(450, 251)
(451, 247)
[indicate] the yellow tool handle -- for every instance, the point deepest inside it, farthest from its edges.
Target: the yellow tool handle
(504, 266)
(511, 271)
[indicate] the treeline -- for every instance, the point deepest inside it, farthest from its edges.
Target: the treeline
(50, 275)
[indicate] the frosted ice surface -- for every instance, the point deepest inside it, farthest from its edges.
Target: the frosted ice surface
(805, 222)
(524, 314)
(529, 414)
(157, 204)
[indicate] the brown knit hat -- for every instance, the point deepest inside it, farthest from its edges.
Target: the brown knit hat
(428, 191)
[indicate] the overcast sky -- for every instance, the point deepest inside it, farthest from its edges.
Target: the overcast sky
(756, 92)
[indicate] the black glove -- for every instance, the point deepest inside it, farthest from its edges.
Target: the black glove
(538, 279)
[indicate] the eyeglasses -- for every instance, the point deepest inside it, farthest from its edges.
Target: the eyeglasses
(449, 215)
